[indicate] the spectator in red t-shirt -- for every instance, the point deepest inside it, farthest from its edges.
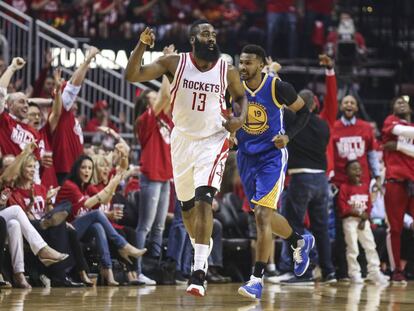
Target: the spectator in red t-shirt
(153, 129)
(352, 139)
(108, 13)
(398, 137)
(48, 173)
(101, 118)
(78, 190)
(67, 138)
(355, 207)
(50, 221)
(281, 19)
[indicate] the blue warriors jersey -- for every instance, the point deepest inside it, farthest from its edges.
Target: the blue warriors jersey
(264, 118)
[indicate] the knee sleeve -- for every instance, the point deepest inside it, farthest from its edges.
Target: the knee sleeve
(187, 205)
(205, 194)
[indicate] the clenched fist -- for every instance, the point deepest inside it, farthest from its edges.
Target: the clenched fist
(17, 63)
(280, 141)
(147, 37)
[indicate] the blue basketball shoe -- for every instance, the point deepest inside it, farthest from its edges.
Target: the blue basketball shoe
(252, 288)
(301, 254)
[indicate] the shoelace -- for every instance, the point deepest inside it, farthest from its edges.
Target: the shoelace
(297, 256)
(253, 282)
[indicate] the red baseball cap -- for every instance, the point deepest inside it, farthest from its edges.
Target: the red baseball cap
(100, 105)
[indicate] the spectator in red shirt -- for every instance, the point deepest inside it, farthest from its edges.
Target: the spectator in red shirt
(353, 139)
(355, 207)
(153, 129)
(101, 118)
(18, 225)
(398, 137)
(50, 221)
(67, 137)
(48, 173)
(78, 190)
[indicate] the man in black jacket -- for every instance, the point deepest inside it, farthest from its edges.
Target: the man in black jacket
(308, 189)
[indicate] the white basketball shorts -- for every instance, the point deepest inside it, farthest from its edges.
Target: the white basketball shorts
(198, 162)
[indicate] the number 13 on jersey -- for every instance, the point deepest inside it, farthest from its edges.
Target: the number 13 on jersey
(199, 101)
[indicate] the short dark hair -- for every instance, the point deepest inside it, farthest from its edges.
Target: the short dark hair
(394, 100)
(256, 50)
(307, 96)
(31, 104)
(349, 163)
(194, 28)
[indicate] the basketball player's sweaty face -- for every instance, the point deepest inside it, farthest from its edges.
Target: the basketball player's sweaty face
(401, 108)
(349, 107)
(354, 172)
(205, 45)
(250, 65)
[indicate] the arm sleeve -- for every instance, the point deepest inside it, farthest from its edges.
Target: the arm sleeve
(69, 95)
(403, 130)
(407, 149)
(330, 103)
(3, 94)
(285, 93)
(374, 163)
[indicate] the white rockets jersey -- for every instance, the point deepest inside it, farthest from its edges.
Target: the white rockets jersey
(197, 98)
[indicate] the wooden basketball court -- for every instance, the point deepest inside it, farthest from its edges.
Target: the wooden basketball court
(219, 297)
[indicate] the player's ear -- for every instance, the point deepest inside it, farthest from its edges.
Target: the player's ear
(192, 39)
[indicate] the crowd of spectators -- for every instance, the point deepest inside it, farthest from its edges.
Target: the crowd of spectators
(81, 204)
(303, 25)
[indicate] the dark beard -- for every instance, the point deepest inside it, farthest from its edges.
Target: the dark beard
(202, 51)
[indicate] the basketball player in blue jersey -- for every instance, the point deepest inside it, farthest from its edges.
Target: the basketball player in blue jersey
(262, 161)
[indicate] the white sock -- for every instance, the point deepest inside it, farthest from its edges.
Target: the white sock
(200, 256)
(271, 267)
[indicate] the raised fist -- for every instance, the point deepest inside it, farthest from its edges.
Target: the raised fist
(147, 37)
(18, 63)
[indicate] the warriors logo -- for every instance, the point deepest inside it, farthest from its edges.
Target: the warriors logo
(256, 122)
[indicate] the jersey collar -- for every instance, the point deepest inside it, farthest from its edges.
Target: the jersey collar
(253, 93)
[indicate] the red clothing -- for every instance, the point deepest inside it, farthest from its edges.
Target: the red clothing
(320, 6)
(15, 135)
(47, 174)
(67, 142)
(77, 197)
(37, 195)
(280, 6)
(246, 5)
(359, 39)
(154, 134)
(351, 143)
(92, 125)
(131, 186)
(49, 12)
(328, 113)
(356, 196)
(399, 165)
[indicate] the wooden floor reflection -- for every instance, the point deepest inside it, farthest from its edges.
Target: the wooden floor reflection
(219, 297)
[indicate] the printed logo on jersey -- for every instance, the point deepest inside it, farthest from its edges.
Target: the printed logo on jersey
(21, 137)
(359, 202)
(77, 129)
(256, 122)
(351, 147)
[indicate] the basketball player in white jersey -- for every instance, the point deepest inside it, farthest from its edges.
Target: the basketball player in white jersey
(199, 140)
